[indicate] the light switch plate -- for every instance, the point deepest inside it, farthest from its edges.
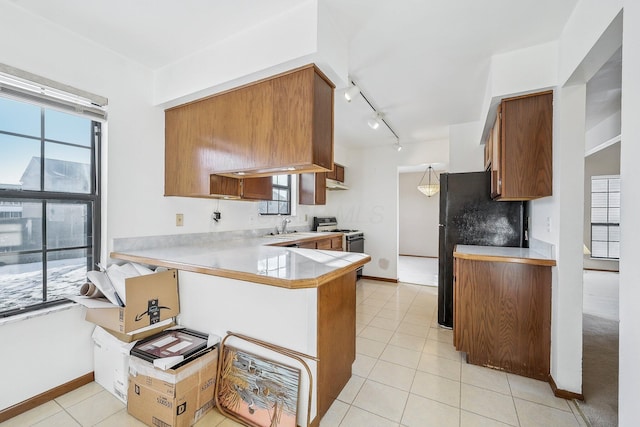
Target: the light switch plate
(179, 220)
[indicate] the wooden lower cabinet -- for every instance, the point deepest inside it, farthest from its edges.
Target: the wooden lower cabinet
(336, 243)
(502, 315)
(307, 245)
(333, 243)
(323, 244)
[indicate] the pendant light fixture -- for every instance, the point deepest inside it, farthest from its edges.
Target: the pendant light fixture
(432, 186)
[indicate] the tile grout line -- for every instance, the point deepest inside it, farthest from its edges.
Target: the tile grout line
(513, 400)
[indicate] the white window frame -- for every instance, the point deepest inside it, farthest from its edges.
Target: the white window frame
(605, 217)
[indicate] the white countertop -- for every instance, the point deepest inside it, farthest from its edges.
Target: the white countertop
(254, 260)
(503, 254)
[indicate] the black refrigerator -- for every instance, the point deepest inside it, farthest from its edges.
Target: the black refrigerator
(468, 216)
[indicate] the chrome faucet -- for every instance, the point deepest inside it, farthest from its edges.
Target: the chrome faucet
(284, 224)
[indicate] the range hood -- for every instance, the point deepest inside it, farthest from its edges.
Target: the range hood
(332, 184)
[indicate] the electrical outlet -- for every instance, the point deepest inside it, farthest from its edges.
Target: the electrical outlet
(179, 220)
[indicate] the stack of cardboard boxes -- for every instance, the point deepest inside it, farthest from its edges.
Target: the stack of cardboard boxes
(172, 397)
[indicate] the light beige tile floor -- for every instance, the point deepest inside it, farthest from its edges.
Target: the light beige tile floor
(406, 373)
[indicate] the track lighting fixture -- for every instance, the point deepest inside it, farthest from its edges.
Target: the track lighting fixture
(352, 92)
(376, 119)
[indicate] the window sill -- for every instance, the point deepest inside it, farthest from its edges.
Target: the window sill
(37, 313)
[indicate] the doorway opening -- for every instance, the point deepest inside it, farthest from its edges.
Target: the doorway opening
(601, 244)
(418, 216)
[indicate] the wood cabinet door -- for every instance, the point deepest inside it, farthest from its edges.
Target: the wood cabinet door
(488, 151)
(242, 130)
(526, 147)
(322, 141)
(502, 315)
(307, 245)
(292, 119)
(332, 173)
(188, 156)
(312, 188)
(336, 243)
(323, 244)
(257, 188)
(496, 156)
(339, 173)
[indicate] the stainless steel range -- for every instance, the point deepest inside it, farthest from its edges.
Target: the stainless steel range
(352, 240)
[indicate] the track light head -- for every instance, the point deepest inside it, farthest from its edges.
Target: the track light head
(352, 92)
(374, 121)
(398, 147)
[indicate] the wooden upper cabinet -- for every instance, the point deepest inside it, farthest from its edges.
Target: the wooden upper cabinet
(337, 173)
(260, 129)
(312, 189)
(522, 143)
(244, 189)
(496, 151)
(488, 152)
(257, 188)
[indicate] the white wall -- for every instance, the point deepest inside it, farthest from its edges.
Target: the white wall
(584, 31)
(629, 378)
(466, 138)
(133, 175)
(43, 352)
(604, 131)
(418, 217)
(518, 72)
(134, 144)
(294, 38)
(566, 234)
(371, 204)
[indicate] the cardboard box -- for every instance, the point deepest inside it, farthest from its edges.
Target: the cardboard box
(151, 299)
(175, 397)
(111, 363)
(111, 358)
(140, 334)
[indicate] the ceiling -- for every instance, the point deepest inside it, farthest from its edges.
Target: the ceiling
(422, 63)
(604, 91)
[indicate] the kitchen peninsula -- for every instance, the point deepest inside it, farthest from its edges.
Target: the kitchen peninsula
(300, 299)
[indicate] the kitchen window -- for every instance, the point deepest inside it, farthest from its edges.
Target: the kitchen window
(49, 194)
(605, 216)
(280, 203)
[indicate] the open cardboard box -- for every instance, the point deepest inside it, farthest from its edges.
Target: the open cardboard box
(151, 299)
(173, 398)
